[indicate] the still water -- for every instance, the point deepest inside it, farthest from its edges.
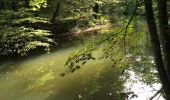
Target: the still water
(38, 78)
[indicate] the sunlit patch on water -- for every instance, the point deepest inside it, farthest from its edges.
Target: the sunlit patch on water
(141, 90)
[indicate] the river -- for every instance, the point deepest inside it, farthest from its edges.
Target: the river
(39, 78)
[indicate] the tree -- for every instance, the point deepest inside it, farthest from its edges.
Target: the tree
(56, 12)
(96, 10)
(155, 41)
(162, 65)
(21, 31)
(164, 32)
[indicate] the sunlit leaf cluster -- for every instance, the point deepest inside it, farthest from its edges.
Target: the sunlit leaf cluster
(38, 4)
(17, 35)
(20, 40)
(31, 20)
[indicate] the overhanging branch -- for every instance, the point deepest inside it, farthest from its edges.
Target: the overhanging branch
(156, 94)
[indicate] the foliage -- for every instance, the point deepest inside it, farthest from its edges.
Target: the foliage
(129, 53)
(20, 40)
(31, 20)
(7, 16)
(38, 4)
(22, 32)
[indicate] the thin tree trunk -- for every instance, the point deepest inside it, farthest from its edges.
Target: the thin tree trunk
(164, 33)
(156, 48)
(56, 12)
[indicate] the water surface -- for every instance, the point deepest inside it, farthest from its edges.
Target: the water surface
(38, 78)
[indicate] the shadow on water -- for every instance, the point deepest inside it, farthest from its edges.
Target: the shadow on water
(38, 78)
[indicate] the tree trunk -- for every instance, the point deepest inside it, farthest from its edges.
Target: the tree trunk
(156, 48)
(56, 12)
(95, 10)
(164, 33)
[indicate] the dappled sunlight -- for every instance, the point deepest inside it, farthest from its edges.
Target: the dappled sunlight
(39, 78)
(84, 50)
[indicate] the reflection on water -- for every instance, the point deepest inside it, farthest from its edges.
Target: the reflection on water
(142, 90)
(39, 79)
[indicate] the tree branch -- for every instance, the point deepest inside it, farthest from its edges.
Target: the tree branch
(157, 93)
(138, 3)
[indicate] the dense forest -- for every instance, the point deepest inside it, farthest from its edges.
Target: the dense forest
(85, 49)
